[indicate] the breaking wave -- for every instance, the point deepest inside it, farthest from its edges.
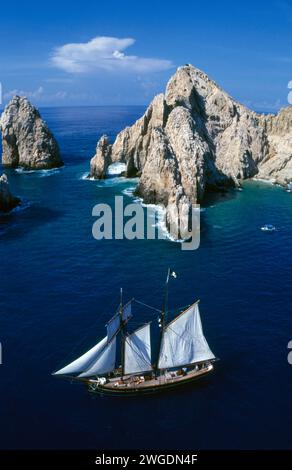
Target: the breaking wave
(38, 173)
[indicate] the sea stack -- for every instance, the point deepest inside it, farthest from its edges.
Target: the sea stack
(7, 200)
(195, 138)
(101, 160)
(27, 141)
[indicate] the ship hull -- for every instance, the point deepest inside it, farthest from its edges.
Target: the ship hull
(159, 385)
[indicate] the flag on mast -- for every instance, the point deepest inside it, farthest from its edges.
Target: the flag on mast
(170, 273)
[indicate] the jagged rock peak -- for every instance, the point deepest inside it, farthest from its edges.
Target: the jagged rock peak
(194, 138)
(7, 200)
(26, 139)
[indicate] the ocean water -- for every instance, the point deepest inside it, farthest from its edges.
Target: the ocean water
(59, 286)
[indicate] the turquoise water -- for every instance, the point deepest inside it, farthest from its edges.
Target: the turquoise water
(59, 286)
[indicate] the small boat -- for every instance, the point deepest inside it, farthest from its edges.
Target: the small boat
(268, 228)
(183, 355)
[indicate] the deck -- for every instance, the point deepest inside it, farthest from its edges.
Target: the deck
(139, 383)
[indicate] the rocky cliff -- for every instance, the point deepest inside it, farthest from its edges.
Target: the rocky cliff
(7, 200)
(196, 138)
(26, 138)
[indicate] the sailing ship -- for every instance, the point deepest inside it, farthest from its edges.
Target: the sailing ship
(183, 354)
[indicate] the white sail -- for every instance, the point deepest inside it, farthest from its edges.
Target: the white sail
(105, 362)
(84, 361)
(183, 341)
(137, 354)
(113, 326)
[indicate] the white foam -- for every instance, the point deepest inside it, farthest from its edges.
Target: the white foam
(158, 213)
(23, 170)
(111, 182)
(44, 173)
(101, 183)
(129, 192)
(155, 211)
(38, 173)
(85, 177)
(263, 180)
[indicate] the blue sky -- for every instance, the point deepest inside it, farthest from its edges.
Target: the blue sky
(123, 52)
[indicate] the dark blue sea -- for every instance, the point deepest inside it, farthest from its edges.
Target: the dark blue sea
(59, 286)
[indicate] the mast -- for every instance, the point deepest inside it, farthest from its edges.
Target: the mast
(121, 298)
(165, 302)
(162, 319)
(122, 330)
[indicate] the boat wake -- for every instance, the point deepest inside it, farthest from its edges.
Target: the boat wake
(268, 228)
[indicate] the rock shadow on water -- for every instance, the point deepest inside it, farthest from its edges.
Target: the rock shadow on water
(212, 198)
(25, 218)
(73, 159)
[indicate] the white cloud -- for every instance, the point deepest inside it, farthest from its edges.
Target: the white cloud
(39, 95)
(29, 94)
(105, 53)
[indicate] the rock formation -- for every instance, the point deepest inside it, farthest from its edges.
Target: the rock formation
(26, 138)
(196, 138)
(7, 200)
(278, 165)
(101, 160)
